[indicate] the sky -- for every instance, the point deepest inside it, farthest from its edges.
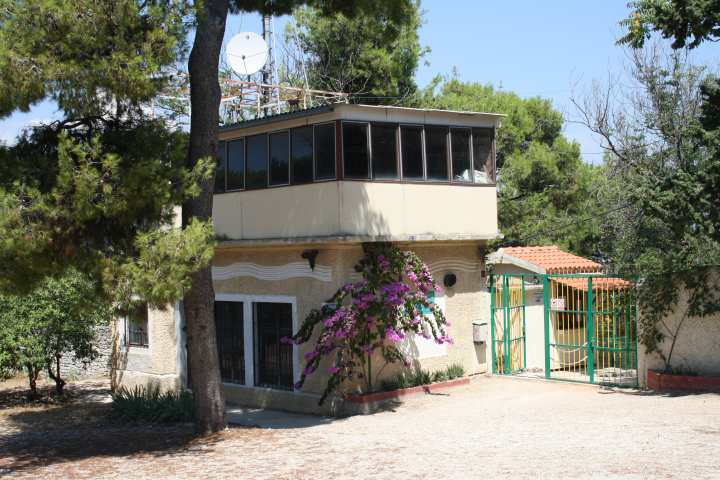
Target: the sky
(552, 49)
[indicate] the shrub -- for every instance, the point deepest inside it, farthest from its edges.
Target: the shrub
(421, 377)
(150, 405)
(440, 376)
(455, 371)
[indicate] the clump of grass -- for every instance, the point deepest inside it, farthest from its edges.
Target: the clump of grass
(440, 376)
(421, 377)
(150, 405)
(455, 371)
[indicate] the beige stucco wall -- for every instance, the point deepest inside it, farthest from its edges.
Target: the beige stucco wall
(155, 365)
(396, 211)
(697, 348)
(465, 302)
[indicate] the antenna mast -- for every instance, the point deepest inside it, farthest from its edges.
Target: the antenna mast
(267, 71)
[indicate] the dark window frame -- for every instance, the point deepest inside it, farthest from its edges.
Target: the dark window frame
(313, 178)
(493, 156)
(448, 154)
(335, 176)
(368, 145)
(232, 352)
(227, 163)
(222, 148)
(470, 155)
(422, 152)
(129, 338)
(267, 160)
(339, 155)
(289, 140)
(257, 351)
(398, 162)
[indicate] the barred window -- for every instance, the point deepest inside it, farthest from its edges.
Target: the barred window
(136, 334)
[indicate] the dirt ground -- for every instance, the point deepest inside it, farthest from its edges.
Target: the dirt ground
(492, 428)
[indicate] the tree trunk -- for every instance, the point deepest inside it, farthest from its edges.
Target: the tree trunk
(203, 364)
(32, 377)
(55, 376)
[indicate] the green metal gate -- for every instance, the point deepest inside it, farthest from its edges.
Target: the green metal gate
(507, 325)
(585, 324)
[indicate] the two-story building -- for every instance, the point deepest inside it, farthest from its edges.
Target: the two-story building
(297, 194)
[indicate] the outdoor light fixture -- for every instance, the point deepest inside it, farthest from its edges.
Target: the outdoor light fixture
(449, 280)
(310, 256)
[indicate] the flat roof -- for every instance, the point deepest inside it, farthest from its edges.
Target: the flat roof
(308, 112)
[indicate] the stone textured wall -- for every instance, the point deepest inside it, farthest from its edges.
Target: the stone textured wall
(72, 368)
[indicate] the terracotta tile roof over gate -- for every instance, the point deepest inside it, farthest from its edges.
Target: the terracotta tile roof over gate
(553, 260)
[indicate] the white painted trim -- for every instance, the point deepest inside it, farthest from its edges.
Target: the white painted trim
(322, 273)
(249, 333)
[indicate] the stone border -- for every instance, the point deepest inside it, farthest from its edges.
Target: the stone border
(663, 382)
(380, 396)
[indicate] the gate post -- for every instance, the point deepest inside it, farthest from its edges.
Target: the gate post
(590, 326)
(493, 368)
(546, 312)
(506, 326)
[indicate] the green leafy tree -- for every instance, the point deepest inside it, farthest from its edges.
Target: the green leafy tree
(372, 56)
(97, 190)
(59, 317)
(545, 190)
(687, 22)
(665, 227)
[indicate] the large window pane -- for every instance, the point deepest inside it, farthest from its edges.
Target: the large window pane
(220, 169)
(279, 158)
(273, 358)
(257, 161)
(384, 151)
(355, 150)
(412, 152)
(236, 165)
(483, 161)
(436, 153)
(324, 151)
(230, 341)
(460, 141)
(302, 155)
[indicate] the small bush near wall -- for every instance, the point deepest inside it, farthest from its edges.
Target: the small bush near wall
(422, 377)
(149, 405)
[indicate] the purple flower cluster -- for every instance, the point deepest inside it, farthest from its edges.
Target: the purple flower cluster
(375, 312)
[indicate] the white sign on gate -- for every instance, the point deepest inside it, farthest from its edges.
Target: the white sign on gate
(557, 304)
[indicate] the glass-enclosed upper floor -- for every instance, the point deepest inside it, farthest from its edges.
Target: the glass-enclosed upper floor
(358, 171)
(356, 149)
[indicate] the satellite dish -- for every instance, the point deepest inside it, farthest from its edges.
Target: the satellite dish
(246, 53)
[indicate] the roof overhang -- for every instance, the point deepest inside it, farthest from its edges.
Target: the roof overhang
(500, 258)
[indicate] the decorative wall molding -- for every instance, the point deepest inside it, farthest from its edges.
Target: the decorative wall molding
(455, 264)
(275, 273)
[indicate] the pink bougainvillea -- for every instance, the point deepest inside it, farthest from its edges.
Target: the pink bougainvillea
(373, 314)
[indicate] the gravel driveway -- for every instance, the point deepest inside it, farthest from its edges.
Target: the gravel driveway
(492, 428)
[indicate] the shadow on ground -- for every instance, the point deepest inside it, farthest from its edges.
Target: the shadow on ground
(51, 431)
(652, 393)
